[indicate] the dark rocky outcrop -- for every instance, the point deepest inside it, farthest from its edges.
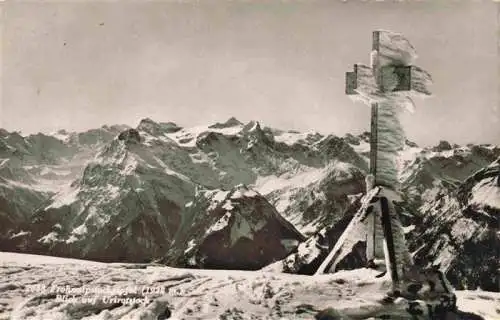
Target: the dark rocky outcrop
(443, 145)
(130, 136)
(157, 129)
(232, 230)
(231, 122)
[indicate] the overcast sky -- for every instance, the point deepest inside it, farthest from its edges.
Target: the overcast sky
(80, 65)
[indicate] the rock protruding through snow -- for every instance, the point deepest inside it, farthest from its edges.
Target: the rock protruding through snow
(236, 229)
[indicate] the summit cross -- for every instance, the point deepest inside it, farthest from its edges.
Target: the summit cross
(387, 86)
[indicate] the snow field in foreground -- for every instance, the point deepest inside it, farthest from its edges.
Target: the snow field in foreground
(38, 287)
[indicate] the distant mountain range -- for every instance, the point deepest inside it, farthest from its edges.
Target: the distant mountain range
(238, 195)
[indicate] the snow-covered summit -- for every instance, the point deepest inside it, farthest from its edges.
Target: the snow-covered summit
(30, 285)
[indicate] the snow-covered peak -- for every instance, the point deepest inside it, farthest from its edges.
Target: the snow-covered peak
(252, 126)
(232, 222)
(241, 191)
(157, 129)
(294, 137)
(231, 122)
(481, 190)
(188, 137)
(62, 135)
(486, 193)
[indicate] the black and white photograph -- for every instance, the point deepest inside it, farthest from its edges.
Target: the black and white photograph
(247, 160)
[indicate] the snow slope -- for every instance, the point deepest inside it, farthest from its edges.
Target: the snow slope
(36, 289)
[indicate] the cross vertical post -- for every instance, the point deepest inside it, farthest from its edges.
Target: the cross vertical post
(388, 85)
(373, 138)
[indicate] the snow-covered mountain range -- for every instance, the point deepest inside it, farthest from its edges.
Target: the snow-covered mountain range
(238, 195)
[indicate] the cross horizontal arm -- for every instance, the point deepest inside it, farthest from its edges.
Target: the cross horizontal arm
(395, 81)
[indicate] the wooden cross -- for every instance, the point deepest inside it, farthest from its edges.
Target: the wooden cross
(391, 77)
(388, 84)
